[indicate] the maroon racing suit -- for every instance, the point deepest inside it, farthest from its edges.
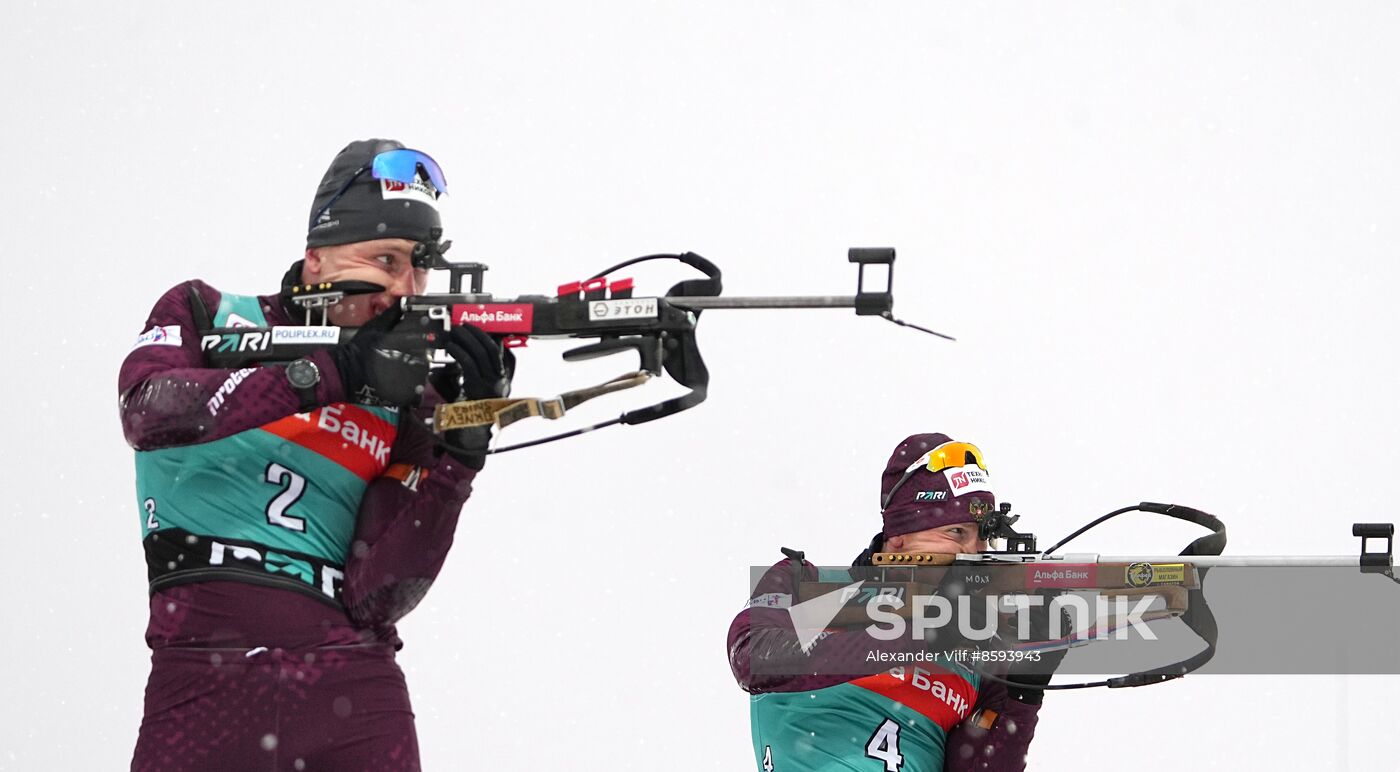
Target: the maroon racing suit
(257, 666)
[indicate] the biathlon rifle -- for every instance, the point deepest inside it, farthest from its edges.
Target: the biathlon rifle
(659, 329)
(1020, 568)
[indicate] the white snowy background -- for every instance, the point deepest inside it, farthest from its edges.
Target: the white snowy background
(1164, 233)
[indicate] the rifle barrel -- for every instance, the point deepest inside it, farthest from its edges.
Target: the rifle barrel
(772, 301)
(1200, 561)
(1250, 561)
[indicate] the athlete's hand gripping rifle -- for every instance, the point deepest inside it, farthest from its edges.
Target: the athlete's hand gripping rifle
(660, 330)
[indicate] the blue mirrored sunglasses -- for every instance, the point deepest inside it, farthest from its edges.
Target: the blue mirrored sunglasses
(399, 165)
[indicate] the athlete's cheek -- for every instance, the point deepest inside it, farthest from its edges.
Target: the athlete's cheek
(965, 544)
(396, 284)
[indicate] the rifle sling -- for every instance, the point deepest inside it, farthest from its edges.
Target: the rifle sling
(505, 411)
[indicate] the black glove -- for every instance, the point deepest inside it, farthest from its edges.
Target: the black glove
(384, 362)
(486, 366)
(483, 370)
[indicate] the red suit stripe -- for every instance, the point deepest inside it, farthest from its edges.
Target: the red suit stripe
(349, 435)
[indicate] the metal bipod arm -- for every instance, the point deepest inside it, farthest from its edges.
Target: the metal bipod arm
(873, 303)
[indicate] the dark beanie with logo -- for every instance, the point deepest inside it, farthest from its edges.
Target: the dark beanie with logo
(370, 209)
(932, 499)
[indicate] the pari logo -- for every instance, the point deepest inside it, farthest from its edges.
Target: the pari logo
(253, 340)
(243, 556)
(967, 479)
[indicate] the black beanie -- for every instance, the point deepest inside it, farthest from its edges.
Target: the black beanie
(370, 208)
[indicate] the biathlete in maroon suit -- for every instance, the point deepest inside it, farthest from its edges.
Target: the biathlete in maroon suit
(813, 707)
(291, 515)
